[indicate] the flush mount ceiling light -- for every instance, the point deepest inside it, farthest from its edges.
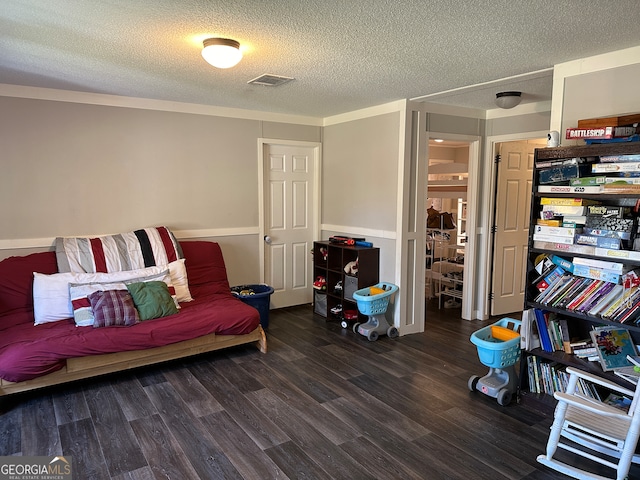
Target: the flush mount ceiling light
(508, 99)
(221, 52)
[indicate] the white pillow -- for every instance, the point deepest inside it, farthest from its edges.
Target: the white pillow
(51, 301)
(179, 280)
(51, 297)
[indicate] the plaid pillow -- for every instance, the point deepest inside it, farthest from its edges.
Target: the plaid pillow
(113, 308)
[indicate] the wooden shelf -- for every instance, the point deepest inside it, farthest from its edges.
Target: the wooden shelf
(329, 261)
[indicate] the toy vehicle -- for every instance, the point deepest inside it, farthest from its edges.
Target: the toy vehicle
(320, 283)
(337, 310)
(347, 317)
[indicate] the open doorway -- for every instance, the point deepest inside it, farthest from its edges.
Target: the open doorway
(449, 212)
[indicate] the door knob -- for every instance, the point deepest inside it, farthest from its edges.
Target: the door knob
(267, 239)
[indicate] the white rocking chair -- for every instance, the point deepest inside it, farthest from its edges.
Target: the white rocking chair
(597, 431)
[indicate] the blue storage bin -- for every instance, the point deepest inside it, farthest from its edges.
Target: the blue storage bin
(258, 296)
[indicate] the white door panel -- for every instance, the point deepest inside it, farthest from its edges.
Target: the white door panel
(289, 181)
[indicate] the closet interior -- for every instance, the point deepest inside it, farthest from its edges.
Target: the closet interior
(446, 235)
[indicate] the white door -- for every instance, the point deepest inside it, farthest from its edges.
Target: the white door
(289, 221)
(513, 199)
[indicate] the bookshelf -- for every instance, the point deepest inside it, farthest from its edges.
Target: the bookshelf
(591, 252)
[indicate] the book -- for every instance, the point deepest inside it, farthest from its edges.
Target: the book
(615, 267)
(614, 188)
(571, 189)
(596, 273)
(598, 241)
(602, 180)
(608, 211)
(543, 332)
(562, 262)
(588, 181)
(553, 238)
(577, 284)
(600, 133)
(573, 220)
(596, 297)
(617, 401)
(609, 253)
(600, 232)
(619, 302)
(568, 202)
(613, 344)
(564, 209)
(554, 288)
(620, 158)
(604, 303)
(584, 294)
(615, 167)
(556, 231)
(549, 222)
(529, 338)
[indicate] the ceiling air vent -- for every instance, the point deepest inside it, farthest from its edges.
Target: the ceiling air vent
(268, 80)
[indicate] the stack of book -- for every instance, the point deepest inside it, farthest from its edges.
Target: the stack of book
(622, 128)
(563, 235)
(550, 377)
(543, 329)
(587, 286)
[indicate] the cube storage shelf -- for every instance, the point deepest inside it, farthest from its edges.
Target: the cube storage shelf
(329, 262)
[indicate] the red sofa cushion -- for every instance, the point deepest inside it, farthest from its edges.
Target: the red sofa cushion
(28, 351)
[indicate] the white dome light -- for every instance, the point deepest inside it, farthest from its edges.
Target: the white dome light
(508, 99)
(221, 52)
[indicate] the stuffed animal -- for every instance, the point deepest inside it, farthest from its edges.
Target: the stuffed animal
(351, 268)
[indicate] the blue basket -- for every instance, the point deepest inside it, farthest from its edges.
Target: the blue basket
(258, 296)
(494, 352)
(374, 304)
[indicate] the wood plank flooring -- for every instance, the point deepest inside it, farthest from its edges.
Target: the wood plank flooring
(324, 403)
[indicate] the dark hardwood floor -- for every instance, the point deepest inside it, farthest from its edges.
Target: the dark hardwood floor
(323, 403)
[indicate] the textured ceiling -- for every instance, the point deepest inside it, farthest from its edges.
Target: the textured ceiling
(344, 55)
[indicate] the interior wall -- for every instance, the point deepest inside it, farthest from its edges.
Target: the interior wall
(360, 182)
(360, 172)
(72, 169)
(609, 92)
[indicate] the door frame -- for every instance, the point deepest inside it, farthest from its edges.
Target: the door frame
(487, 184)
(317, 183)
(473, 201)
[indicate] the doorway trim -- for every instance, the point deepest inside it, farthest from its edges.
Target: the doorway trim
(473, 201)
(487, 183)
(317, 183)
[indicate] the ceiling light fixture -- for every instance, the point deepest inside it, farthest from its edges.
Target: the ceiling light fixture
(508, 99)
(221, 52)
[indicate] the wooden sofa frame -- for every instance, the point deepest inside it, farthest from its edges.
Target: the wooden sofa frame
(91, 366)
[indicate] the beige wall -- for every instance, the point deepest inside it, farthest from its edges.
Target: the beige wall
(360, 173)
(86, 169)
(77, 169)
(605, 93)
(531, 122)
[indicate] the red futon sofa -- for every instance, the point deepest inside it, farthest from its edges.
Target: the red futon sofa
(34, 356)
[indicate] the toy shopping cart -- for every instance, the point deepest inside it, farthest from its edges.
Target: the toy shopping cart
(499, 349)
(373, 301)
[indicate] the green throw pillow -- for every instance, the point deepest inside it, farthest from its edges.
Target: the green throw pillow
(152, 299)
